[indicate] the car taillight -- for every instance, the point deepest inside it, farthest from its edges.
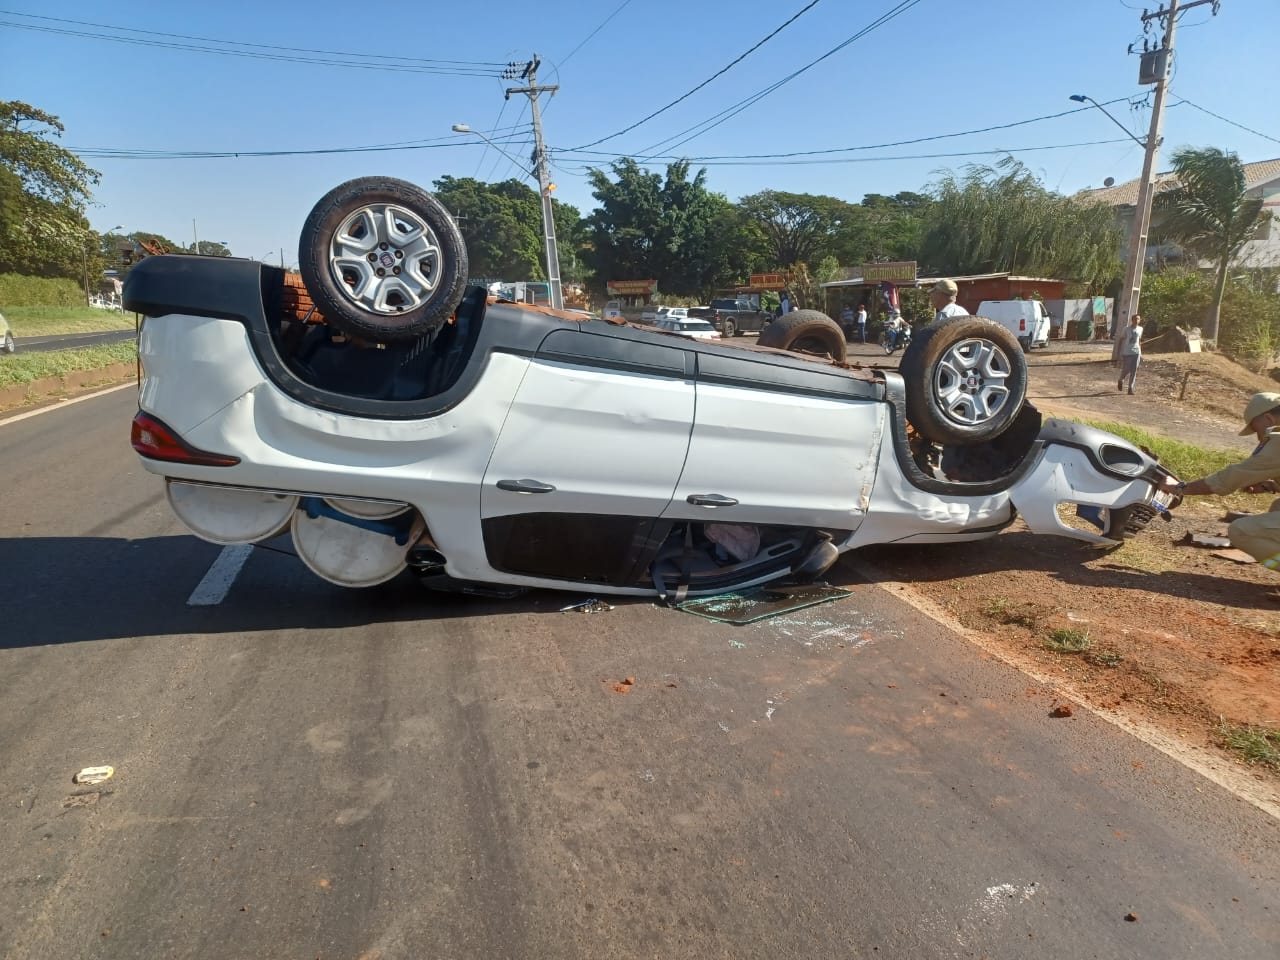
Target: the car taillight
(1022, 324)
(155, 441)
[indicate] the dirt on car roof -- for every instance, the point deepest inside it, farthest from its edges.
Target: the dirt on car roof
(1159, 633)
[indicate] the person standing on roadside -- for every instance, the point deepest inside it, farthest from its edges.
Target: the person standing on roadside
(943, 297)
(846, 321)
(1130, 353)
(862, 322)
(1259, 534)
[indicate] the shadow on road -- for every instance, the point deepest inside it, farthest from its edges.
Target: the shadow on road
(76, 589)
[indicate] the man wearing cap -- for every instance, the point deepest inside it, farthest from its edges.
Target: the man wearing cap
(943, 296)
(1257, 535)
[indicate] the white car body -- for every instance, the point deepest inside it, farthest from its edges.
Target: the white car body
(655, 315)
(1025, 319)
(557, 452)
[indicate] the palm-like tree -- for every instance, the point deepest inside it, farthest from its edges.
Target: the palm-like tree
(1210, 215)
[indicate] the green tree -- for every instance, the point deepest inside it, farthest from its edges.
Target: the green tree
(1211, 215)
(804, 227)
(44, 189)
(671, 229)
(502, 226)
(995, 219)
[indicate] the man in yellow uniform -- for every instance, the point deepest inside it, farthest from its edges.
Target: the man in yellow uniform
(1257, 535)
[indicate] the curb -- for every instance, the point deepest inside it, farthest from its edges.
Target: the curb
(57, 388)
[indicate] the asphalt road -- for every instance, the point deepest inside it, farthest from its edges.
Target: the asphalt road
(305, 772)
(65, 341)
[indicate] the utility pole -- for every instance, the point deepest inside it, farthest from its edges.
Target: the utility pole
(1140, 228)
(195, 237)
(530, 73)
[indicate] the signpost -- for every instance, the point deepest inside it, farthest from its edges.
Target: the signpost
(902, 272)
(631, 288)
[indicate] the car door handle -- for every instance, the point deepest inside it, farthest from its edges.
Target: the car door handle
(711, 500)
(525, 486)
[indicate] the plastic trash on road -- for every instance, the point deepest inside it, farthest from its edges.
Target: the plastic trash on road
(92, 775)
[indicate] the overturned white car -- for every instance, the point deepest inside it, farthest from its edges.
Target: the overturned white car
(484, 442)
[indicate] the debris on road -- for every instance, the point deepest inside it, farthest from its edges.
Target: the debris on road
(624, 686)
(1207, 540)
(752, 606)
(1061, 710)
(592, 605)
(1235, 556)
(91, 775)
(1131, 917)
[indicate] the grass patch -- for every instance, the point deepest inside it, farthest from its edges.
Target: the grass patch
(998, 610)
(1104, 658)
(23, 368)
(1184, 459)
(1068, 641)
(50, 321)
(1254, 745)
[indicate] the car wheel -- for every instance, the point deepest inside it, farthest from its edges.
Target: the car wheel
(729, 329)
(9, 345)
(966, 380)
(805, 331)
(383, 259)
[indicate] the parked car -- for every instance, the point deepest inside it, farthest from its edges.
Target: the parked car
(1027, 320)
(697, 329)
(503, 446)
(653, 314)
(7, 344)
(613, 310)
(734, 317)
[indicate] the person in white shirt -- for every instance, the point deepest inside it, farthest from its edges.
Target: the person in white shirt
(862, 322)
(943, 296)
(1130, 353)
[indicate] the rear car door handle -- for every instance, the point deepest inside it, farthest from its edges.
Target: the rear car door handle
(525, 486)
(711, 500)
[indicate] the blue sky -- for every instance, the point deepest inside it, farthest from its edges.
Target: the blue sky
(941, 66)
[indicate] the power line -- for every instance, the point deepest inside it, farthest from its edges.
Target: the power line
(1256, 133)
(485, 152)
(133, 153)
(916, 156)
(602, 25)
(254, 55)
(871, 146)
(809, 6)
(244, 43)
(741, 105)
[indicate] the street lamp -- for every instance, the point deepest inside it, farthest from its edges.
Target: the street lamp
(548, 219)
(1082, 98)
(1141, 225)
(84, 257)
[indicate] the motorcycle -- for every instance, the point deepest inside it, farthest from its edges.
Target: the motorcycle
(891, 343)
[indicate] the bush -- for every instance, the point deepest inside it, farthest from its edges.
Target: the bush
(19, 290)
(1250, 328)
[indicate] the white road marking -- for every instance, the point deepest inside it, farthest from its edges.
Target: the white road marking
(66, 403)
(215, 586)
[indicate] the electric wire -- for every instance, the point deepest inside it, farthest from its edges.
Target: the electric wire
(423, 69)
(485, 152)
(583, 168)
(796, 16)
(741, 105)
(872, 146)
(588, 37)
(245, 43)
(1218, 116)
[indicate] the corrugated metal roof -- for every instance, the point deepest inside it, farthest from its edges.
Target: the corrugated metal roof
(922, 281)
(1126, 194)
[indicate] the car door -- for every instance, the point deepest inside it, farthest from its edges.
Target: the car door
(779, 446)
(588, 458)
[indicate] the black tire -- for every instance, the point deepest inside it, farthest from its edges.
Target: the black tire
(730, 330)
(966, 380)
(413, 296)
(805, 331)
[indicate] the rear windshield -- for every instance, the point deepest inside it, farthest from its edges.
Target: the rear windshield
(696, 325)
